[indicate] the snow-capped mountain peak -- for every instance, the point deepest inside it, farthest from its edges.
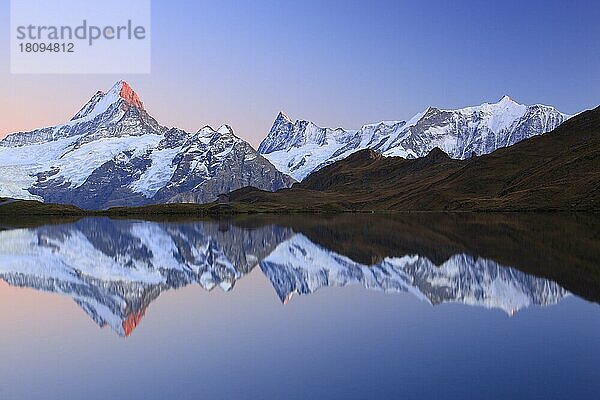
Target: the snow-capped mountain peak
(120, 93)
(283, 117)
(505, 103)
(206, 129)
(113, 153)
(126, 93)
(226, 130)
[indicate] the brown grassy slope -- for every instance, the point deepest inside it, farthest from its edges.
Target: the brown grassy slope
(556, 171)
(9, 207)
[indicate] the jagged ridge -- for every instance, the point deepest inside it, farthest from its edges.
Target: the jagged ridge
(300, 148)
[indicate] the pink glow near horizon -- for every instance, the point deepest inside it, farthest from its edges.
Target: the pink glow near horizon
(318, 61)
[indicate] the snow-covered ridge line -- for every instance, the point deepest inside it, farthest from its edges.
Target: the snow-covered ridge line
(300, 147)
(416, 116)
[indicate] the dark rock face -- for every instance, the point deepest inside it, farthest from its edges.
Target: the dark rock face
(107, 186)
(229, 163)
(113, 153)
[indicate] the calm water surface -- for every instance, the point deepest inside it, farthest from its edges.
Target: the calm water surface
(349, 307)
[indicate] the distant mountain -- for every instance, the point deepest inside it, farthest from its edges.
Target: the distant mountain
(555, 171)
(300, 148)
(114, 269)
(113, 153)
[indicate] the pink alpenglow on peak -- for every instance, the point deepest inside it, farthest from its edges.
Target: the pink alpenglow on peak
(131, 97)
(120, 93)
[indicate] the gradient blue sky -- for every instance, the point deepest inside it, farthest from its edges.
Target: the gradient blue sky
(338, 63)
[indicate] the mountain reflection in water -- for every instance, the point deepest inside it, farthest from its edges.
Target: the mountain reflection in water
(114, 269)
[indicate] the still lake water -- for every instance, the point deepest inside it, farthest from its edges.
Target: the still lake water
(348, 307)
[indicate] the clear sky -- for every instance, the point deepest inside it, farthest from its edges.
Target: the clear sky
(338, 63)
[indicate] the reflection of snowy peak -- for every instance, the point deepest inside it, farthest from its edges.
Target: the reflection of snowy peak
(299, 266)
(299, 148)
(112, 153)
(114, 269)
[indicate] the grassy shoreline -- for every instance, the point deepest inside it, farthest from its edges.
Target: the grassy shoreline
(15, 208)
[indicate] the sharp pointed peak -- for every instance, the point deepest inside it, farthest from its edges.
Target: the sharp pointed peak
(282, 115)
(131, 321)
(506, 99)
(123, 90)
(225, 129)
(101, 101)
(206, 129)
(120, 84)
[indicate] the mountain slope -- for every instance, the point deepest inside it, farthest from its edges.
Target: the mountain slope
(556, 171)
(113, 153)
(300, 148)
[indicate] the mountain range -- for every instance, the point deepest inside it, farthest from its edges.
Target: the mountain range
(299, 148)
(559, 170)
(113, 153)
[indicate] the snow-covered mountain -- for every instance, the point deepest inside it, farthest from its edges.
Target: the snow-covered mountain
(114, 269)
(301, 147)
(113, 153)
(299, 266)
